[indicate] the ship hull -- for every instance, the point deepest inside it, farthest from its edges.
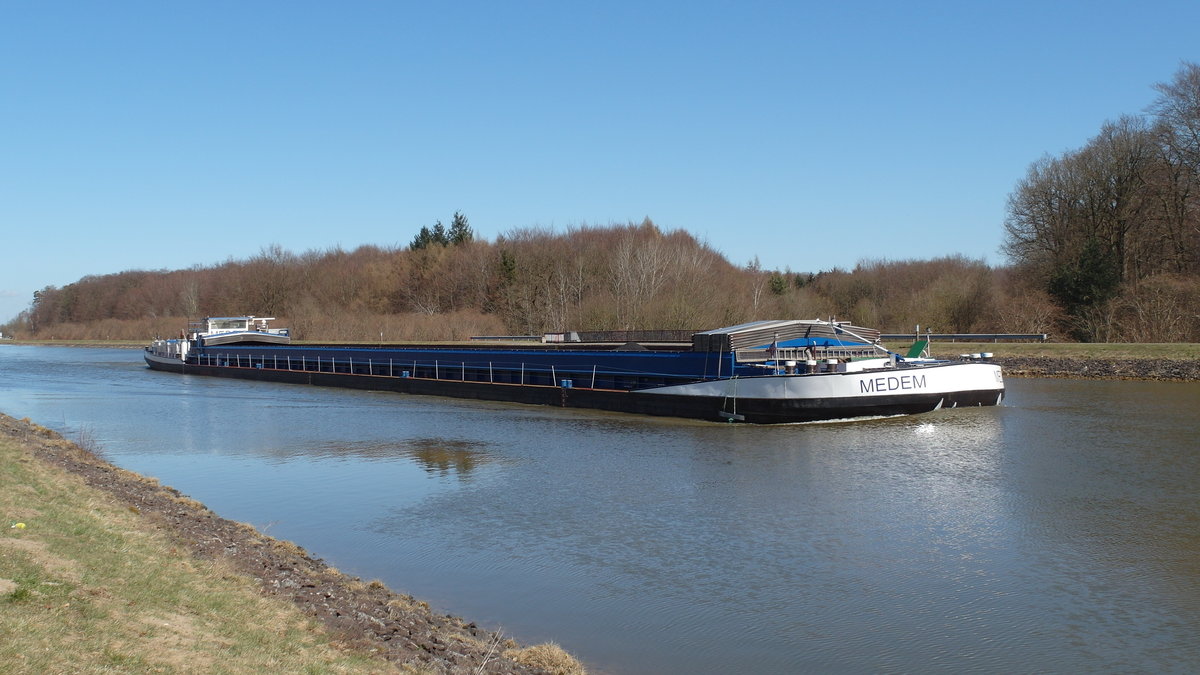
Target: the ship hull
(768, 399)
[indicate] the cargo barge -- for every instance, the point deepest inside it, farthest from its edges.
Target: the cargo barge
(762, 372)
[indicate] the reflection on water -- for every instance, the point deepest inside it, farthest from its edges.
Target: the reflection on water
(1058, 532)
(444, 457)
(441, 457)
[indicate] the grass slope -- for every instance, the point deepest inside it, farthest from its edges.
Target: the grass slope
(1083, 350)
(86, 586)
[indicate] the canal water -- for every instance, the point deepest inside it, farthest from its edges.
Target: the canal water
(1059, 532)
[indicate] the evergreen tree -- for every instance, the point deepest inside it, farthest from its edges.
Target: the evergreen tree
(423, 239)
(459, 233)
(460, 230)
(1088, 281)
(778, 283)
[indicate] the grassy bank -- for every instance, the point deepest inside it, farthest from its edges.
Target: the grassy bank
(86, 586)
(110, 344)
(1065, 350)
(102, 570)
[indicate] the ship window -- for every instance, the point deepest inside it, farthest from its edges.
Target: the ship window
(227, 324)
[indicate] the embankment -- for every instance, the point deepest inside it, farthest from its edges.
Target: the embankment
(361, 615)
(1177, 370)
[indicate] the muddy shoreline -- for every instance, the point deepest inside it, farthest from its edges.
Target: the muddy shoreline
(360, 614)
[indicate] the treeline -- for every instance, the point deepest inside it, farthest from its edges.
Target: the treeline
(1111, 231)
(530, 281)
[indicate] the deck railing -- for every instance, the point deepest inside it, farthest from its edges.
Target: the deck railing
(522, 373)
(802, 354)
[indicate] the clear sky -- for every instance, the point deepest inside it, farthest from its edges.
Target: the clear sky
(162, 135)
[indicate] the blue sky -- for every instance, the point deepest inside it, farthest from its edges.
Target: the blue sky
(152, 135)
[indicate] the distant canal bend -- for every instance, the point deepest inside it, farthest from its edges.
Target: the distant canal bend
(1054, 533)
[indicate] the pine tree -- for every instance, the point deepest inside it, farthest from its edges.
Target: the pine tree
(460, 230)
(423, 239)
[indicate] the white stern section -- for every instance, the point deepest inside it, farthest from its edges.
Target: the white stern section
(932, 379)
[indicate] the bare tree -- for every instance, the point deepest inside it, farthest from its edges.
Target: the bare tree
(1178, 109)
